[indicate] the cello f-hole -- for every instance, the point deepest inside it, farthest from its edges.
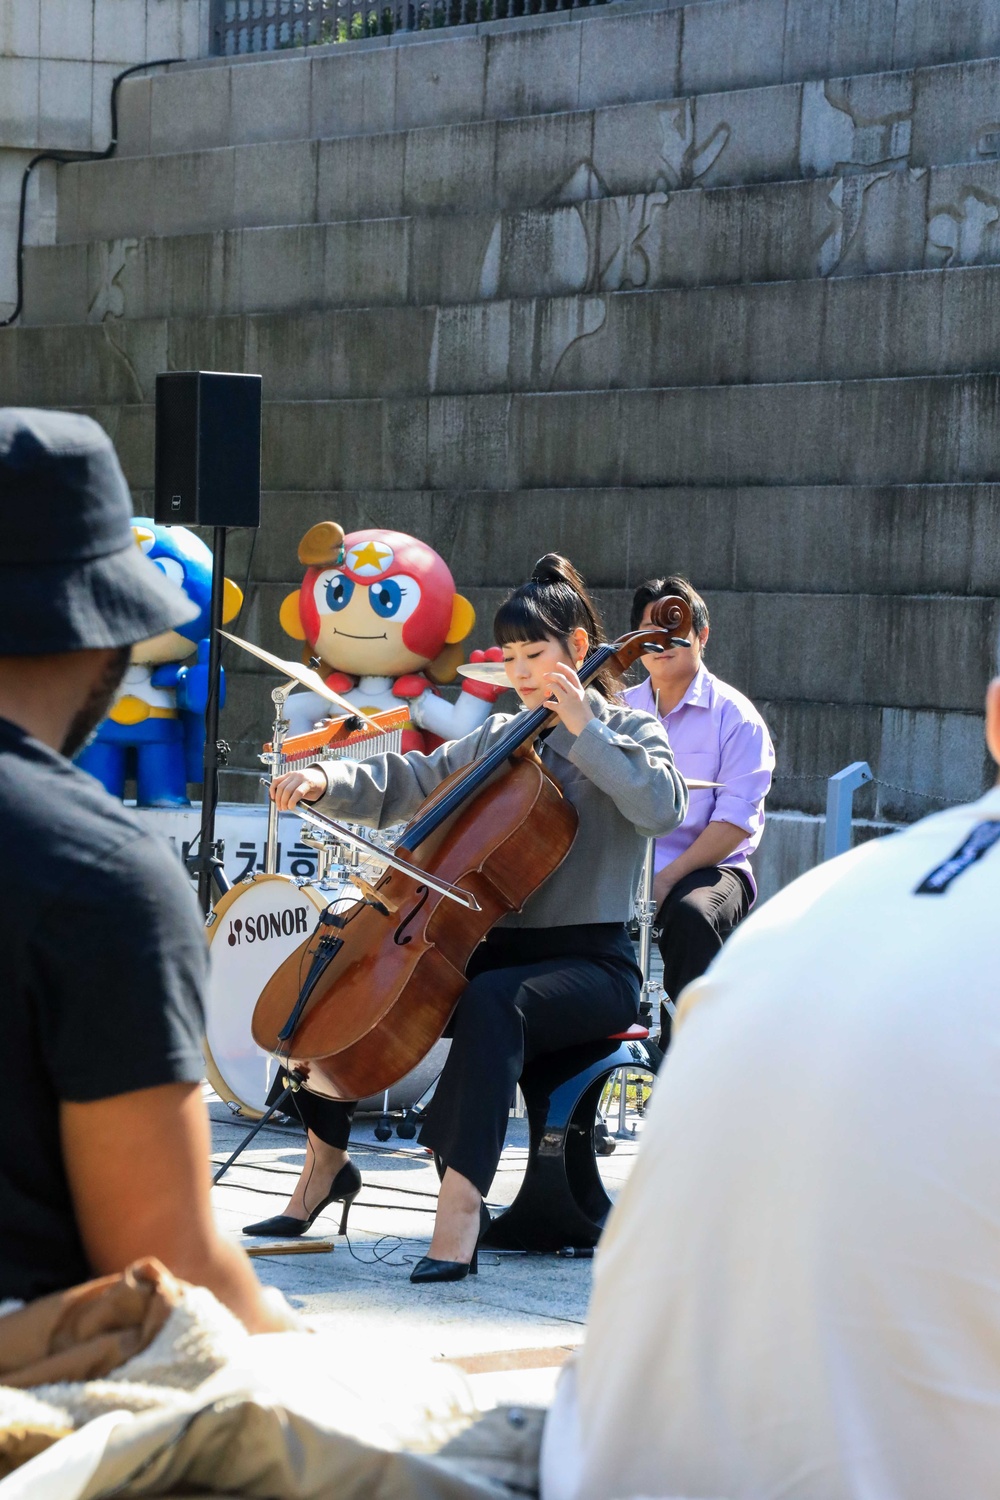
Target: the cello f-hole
(401, 937)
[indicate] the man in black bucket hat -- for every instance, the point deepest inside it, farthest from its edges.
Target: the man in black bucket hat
(103, 1133)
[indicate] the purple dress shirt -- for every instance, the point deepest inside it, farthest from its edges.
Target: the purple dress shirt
(716, 734)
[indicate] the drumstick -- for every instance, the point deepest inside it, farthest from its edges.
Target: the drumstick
(291, 1247)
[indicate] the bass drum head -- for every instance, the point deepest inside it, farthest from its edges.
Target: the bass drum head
(257, 925)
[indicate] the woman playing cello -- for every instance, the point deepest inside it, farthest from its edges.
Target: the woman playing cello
(558, 973)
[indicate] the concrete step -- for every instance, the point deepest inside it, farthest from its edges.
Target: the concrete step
(856, 225)
(924, 117)
(941, 429)
(911, 323)
(923, 758)
(894, 539)
(938, 117)
(574, 62)
(835, 651)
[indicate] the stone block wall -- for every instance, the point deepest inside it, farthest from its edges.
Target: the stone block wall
(704, 286)
(58, 60)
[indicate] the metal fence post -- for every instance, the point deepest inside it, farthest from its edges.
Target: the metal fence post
(216, 28)
(840, 791)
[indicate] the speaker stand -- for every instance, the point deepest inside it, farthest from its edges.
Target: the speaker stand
(208, 861)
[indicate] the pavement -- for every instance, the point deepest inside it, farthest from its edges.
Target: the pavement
(509, 1329)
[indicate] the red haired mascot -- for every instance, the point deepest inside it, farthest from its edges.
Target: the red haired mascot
(381, 611)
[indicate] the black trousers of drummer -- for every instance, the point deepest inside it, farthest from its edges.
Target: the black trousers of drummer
(694, 921)
(530, 991)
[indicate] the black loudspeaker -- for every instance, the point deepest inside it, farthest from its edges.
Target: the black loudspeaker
(207, 449)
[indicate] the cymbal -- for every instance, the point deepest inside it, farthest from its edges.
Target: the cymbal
(305, 676)
(494, 673)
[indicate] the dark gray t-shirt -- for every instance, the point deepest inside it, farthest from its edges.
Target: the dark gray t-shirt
(102, 969)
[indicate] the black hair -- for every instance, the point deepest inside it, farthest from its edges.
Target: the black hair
(554, 602)
(659, 588)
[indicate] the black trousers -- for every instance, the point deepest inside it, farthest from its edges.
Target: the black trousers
(530, 991)
(694, 921)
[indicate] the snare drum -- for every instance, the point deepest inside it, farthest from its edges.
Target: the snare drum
(257, 925)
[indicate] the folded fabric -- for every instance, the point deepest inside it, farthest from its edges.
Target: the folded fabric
(89, 1330)
(352, 1408)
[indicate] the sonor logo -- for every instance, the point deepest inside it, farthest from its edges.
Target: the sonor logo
(268, 925)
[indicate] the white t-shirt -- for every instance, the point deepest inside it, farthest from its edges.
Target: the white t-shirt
(798, 1295)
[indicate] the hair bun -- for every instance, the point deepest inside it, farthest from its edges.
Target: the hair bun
(551, 569)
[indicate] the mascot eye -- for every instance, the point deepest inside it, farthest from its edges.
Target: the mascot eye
(334, 593)
(394, 598)
(172, 568)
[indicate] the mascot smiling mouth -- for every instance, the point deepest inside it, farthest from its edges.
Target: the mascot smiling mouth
(350, 637)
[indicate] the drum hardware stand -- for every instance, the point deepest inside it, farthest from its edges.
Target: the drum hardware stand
(383, 856)
(652, 992)
(321, 846)
(295, 1082)
(272, 759)
(216, 869)
(383, 1130)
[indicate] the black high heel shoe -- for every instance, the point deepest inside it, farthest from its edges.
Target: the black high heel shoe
(344, 1188)
(427, 1270)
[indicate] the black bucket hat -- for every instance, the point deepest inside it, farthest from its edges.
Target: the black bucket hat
(71, 574)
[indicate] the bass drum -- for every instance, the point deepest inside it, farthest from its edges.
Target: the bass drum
(257, 925)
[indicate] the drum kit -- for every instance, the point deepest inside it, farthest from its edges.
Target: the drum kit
(266, 916)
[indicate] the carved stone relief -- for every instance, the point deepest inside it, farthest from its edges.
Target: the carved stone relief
(110, 259)
(832, 137)
(686, 157)
(626, 224)
(567, 325)
(964, 233)
(846, 215)
(557, 247)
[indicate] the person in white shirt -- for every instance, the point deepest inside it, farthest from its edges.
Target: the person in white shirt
(817, 1199)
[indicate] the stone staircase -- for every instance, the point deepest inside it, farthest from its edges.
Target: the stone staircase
(707, 287)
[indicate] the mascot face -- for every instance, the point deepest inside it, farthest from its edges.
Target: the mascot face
(186, 561)
(385, 609)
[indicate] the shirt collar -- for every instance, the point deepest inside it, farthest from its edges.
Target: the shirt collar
(699, 693)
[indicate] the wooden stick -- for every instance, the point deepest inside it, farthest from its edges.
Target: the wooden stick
(291, 1247)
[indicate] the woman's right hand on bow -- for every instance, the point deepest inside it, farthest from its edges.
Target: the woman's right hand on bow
(307, 785)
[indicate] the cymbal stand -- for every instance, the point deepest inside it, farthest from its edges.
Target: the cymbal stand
(644, 906)
(320, 845)
(645, 911)
(652, 992)
(272, 759)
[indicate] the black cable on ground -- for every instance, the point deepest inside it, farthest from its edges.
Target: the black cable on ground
(61, 158)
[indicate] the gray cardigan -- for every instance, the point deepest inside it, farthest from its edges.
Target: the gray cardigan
(618, 773)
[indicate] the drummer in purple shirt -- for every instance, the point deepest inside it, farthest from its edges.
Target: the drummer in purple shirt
(703, 884)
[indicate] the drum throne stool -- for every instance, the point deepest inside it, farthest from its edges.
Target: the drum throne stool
(562, 1200)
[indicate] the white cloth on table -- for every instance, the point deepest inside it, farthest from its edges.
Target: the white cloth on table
(798, 1294)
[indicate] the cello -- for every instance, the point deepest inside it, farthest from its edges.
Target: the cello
(362, 1001)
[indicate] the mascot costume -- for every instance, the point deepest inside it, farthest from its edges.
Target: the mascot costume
(156, 728)
(381, 612)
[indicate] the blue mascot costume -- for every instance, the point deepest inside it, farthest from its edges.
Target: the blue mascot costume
(156, 728)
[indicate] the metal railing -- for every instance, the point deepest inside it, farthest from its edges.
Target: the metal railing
(239, 27)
